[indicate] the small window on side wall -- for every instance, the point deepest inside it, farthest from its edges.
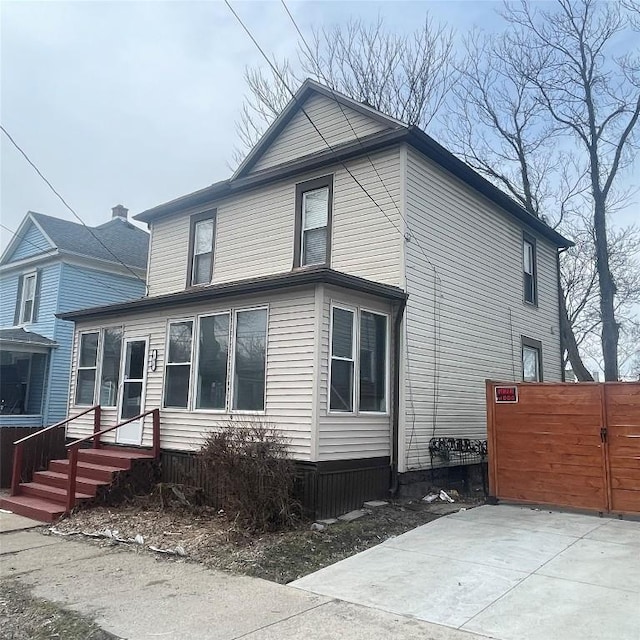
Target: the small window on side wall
(531, 360)
(530, 275)
(314, 200)
(201, 243)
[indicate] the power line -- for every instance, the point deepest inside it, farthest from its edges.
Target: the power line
(67, 205)
(437, 280)
(73, 266)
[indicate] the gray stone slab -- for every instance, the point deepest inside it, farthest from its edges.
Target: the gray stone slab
(481, 543)
(134, 595)
(12, 522)
(439, 590)
(374, 504)
(352, 622)
(23, 540)
(600, 563)
(542, 608)
(617, 532)
(352, 515)
(534, 519)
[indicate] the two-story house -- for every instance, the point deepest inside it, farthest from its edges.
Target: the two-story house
(353, 284)
(53, 266)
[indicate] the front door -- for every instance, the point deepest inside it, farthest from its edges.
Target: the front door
(134, 371)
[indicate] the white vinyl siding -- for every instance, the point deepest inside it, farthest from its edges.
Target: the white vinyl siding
(299, 138)
(343, 436)
(289, 372)
(255, 229)
(478, 308)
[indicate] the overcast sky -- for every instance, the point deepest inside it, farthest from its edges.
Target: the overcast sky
(135, 102)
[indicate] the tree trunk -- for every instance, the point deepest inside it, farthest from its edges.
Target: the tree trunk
(610, 328)
(568, 342)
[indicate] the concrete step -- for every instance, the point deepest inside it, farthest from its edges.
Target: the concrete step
(47, 492)
(54, 479)
(32, 507)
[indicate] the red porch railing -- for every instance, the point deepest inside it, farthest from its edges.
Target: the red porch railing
(95, 436)
(18, 445)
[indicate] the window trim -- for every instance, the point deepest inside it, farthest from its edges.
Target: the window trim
(531, 343)
(528, 239)
(166, 363)
(232, 369)
(23, 299)
(355, 342)
(194, 391)
(387, 364)
(209, 214)
(80, 368)
(301, 189)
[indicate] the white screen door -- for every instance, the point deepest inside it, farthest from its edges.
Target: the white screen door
(134, 372)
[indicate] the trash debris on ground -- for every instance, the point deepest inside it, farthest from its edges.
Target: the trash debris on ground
(442, 496)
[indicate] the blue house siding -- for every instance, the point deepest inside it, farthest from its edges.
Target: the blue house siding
(32, 243)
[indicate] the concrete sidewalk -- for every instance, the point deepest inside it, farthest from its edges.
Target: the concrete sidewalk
(506, 572)
(139, 597)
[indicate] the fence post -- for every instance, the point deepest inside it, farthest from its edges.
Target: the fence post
(17, 469)
(156, 433)
(71, 484)
(96, 426)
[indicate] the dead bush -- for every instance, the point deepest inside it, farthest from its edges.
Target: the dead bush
(256, 479)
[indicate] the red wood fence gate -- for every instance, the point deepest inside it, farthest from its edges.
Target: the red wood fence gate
(564, 444)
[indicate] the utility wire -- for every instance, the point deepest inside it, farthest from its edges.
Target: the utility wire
(67, 205)
(437, 280)
(73, 266)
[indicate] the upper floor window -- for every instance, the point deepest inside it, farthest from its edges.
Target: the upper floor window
(531, 360)
(313, 222)
(27, 298)
(201, 244)
(530, 270)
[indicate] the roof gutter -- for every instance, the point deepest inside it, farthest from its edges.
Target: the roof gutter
(398, 311)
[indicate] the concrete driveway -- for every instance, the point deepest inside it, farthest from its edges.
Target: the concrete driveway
(506, 572)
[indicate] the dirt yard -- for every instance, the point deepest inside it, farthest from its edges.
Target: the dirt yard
(206, 536)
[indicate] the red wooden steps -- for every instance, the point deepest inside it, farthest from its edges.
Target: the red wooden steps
(44, 498)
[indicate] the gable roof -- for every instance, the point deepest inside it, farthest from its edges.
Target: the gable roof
(394, 132)
(307, 90)
(122, 240)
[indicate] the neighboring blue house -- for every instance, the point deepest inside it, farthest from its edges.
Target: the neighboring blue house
(52, 266)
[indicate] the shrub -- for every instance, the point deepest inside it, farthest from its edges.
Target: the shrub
(256, 479)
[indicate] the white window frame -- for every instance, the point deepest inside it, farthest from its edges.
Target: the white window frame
(354, 359)
(304, 229)
(357, 311)
(100, 359)
(537, 349)
(529, 243)
(166, 364)
(387, 364)
(194, 391)
(24, 299)
(232, 370)
(80, 368)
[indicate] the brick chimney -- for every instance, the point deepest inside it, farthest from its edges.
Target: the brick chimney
(119, 212)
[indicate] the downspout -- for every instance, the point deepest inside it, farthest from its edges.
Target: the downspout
(395, 409)
(563, 376)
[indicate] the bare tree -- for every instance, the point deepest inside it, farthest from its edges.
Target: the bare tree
(593, 97)
(405, 76)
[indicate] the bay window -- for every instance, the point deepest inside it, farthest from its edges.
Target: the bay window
(213, 357)
(250, 360)
(342, 359)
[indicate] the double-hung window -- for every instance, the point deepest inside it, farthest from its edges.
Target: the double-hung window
(359, 361)
(201, 243)
(529, 268)
(110, 366)
(249, 367)
(178, 365)
(313, 222)
(531, 360)
(87, 366)
(28, 298)
(213, 359)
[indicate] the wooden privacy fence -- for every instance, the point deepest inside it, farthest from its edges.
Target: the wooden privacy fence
(565, 444)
